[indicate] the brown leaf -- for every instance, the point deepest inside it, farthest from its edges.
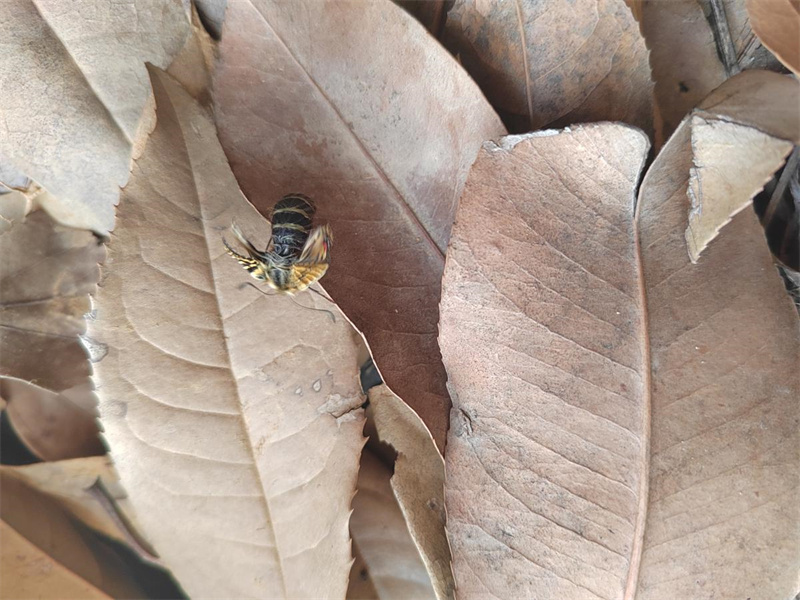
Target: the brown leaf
(556, 64)
(45, 554)
(212, 13)
(777, 24)
(233, 417)
(46, 275)
(724, 346)
(382, 538)
(379, 125)
(418, 482)
(360, 586)
(432, 14)
(625, 421)
(732, 21)
(541, 335)
(88, 490)
(54, 426)
(683, 57)
(71, 119)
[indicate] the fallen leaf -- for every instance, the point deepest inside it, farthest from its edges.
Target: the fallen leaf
(541, 333)
(625, 421)
(233, 417)
(380, 533)
(45, 554)
(740, 125)
(71, 118)
(418, 482)
(360, 586)
(777, 24)
(749, 52)
(212, 13)
(724, 345)
(432, 14)
(54, 426)
(557, 64)
(683, 59)
(379, 125)
(46, 275)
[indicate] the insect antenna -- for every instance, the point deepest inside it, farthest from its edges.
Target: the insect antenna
(258, 289)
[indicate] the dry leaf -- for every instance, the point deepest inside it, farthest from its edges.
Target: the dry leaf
(541, 334)
(734, 22)
(749, 124)
(541, 63)
(379, 125)
(598, 449)
(45, 554)
(233, 417)
(212, 13)
(724, 465)
(683, 57)
(89, 490)
(53, 426)
(46, 275)
(71, 118)
(360, 586)
(432, 14)
(382, 538)
(777, 24)
(418, 482)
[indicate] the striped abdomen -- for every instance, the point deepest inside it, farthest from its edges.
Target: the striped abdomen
(291, 222)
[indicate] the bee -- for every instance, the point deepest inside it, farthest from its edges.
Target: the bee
(296, 255)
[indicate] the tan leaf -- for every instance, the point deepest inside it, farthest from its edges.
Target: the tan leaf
(432, 14)
(418, 482)
(625, 421)
(378, 124)
(45, 554)
(71, 118)
(541, 63)
(382, 538)
(233, 417)
(777, 24)
(53, 426)
(541, 335)
(88, 489)
(46, 275)
(683, 57)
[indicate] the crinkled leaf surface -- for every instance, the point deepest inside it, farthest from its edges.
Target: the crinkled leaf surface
(233, 417)
(777, 24)
(381, 537)
(543, 63)
(354, 104)
(71, 118)
(622, 444)
(542, 336)
(46, 275)
(418, 482)
(723, 515)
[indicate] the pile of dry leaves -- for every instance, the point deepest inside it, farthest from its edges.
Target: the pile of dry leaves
(589, 353)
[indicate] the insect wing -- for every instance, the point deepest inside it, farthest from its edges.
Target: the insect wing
(317, 247)
(303, 275)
